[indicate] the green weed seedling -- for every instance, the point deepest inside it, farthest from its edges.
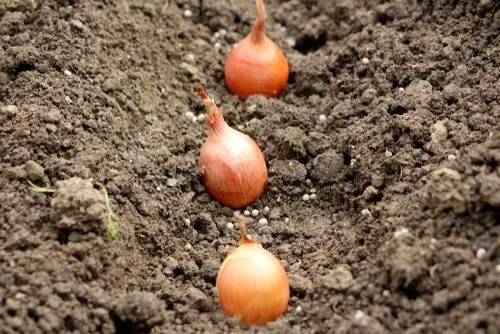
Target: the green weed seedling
(111, 217)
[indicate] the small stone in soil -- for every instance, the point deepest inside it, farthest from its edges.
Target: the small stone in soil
(266, 210)
(305, 197)
(34, 171)
(255, 213)
(322, 118)
(339, 279)
(370, 192)
(263, 221)
(188, 13)
(230, 226)
(9, 111)
(480, 253)
(246, 212)
(189, 114)
(275, 213)
(171, 182)
(402, 232)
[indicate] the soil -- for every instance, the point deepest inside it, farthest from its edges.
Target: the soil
(390, 124)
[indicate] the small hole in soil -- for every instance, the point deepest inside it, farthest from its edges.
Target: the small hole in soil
(69, 323)
(383, 18)
(410, 292)
(63, 236)
(32, 314)
(237, 19)
(21, 67)
(307, 43)
(397, 109)
(347, 158)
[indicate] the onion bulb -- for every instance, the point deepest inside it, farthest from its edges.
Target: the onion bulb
(256, 65)
(233, 167)
(252, 283)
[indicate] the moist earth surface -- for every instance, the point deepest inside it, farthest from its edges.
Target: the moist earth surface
(383, 200)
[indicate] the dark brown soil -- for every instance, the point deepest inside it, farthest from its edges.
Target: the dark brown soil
(402, 234)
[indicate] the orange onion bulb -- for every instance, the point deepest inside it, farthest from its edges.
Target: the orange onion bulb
(233, 167)
(252, 284)
(256, 65)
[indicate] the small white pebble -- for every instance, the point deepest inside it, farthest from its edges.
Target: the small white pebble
(188, 13)
(217, 45)
(386, 293)
(322, 118)
(433, 241)
(498, 267)
(451, 157)
(201, 117)
(240, 127)
(308, 182)
(480, 253)
(216, 35)
(312, 191)
(67, 99)
(194, 119)
(298, 309)
(287, 220)
(246, 212)
(388, 154)
(305, 197)
(359, 315)
(313, 196)
(189, 114)
(255, 213)
(366, 212)
(187, 221)
(266, 210)
(188, 246)
(67, 73)
(158, 188)
(252, 107)
(222, 32)
(190, 57)
(402, 232)
(263, 221)
(290, 41)
(365, 60)
(236, 213)
(230, 226)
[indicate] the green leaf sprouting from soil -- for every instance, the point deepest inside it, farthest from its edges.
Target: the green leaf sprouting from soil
(38, 189)
(112, 219)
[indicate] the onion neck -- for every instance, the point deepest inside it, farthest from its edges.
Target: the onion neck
(257, 35)
(214, 116)
(216, 122)
(245, 237)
